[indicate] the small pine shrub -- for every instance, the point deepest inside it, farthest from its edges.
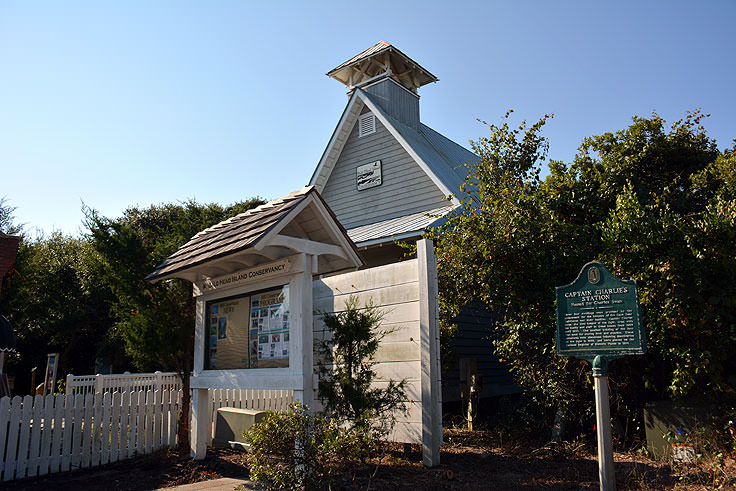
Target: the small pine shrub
(347, 379)
(297, 450)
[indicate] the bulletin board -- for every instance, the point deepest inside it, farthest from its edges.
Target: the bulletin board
(248, 331)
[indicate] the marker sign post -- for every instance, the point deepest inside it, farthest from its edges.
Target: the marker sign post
(599, 320)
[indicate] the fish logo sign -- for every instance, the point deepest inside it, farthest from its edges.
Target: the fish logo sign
(594, 275)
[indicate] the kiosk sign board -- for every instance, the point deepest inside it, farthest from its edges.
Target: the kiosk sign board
(598, 314)
(248, 331)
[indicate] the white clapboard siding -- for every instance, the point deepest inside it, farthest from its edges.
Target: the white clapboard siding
(395, 288)
(51, 434)
(405, 293)
(402, 176)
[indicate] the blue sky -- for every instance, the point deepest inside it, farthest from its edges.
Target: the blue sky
(116, 104)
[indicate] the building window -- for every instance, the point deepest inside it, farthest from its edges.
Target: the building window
(366, 125)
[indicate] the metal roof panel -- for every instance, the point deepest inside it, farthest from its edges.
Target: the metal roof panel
(400, 226)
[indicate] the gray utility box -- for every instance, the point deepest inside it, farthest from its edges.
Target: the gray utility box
(230, 424)
(668, 426)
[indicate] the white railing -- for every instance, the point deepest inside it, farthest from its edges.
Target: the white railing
(59, 433)
(48, 434)
(123, 382)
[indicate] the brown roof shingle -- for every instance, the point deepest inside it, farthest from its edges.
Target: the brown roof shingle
(230, 236)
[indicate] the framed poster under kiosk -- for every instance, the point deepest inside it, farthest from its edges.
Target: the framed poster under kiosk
(248, 331)
(250, 327)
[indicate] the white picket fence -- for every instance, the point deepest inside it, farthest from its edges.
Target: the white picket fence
(43, 435)
(121, 382)
(49, 434)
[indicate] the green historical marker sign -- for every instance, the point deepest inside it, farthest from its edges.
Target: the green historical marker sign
(599, 319)
(599, 315)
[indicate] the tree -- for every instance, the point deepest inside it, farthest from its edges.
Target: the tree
(7, 219)
(155, 321)
(346, 367)
(652, 204)
(57, 301)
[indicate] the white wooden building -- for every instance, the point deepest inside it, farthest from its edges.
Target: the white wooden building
(387, 176)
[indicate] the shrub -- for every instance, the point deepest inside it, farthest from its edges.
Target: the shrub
(295, 449)
(347, 378)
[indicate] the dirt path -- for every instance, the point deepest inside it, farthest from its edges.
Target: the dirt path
(470, 461)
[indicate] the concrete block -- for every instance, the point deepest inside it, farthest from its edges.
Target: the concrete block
(230, 424)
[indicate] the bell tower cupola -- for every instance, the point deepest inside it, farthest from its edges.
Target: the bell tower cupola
(390, 77)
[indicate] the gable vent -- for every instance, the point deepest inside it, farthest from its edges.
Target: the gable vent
(366, 125)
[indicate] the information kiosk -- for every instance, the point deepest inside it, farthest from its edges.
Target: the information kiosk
(252, 277)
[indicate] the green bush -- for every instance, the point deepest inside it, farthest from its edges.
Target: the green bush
(295, 449)
(346, 370)
(652, 203)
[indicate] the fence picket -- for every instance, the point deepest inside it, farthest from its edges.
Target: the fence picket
(143, 422)
(157, 415)
(78, 416)
(35, 423)
(133, 424)
(126, 426)
(116, 427)
(49, 434)
(174, 426)
(68, 439)
(10, 454)
(25, 430)
(166, 418)
(139, 422)
(58, 427)
(173, 436)
(105, 423)
(87, 429)
(148, 416)
(4, 423)
(125, 382)
(96, 433)
(47, 415)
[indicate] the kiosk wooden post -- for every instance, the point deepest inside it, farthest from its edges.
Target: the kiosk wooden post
(303, 338)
